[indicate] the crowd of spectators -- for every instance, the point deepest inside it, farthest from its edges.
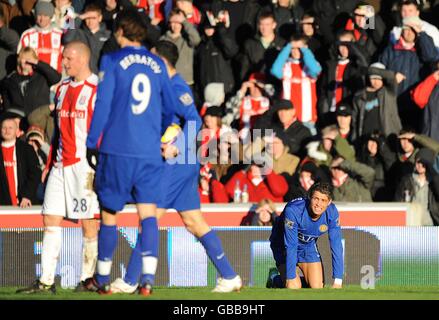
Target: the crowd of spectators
(343, 91)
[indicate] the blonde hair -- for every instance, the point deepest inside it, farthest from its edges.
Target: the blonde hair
(26, 50)
(270, 203)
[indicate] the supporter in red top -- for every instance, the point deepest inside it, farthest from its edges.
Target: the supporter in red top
(261, 183)
(193, 15)
(247, 108)
(19, 170)
(426, 96)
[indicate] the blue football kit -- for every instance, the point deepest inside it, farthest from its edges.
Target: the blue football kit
(294, 237)
(180, 184)
(180, 175)
(133, 92)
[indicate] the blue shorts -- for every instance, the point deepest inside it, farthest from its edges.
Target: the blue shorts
(180, 188)
(305, 254)
(121, 179)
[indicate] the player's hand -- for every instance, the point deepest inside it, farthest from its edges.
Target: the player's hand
(92, 158)
(436, 75)
(25, 203)
(171, 134)
(169, 151)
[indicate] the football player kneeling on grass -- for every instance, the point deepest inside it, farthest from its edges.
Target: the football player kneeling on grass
(293, 241)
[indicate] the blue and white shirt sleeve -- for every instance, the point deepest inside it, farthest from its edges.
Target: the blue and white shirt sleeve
(291, 240)
(104, 98)
(335, 241)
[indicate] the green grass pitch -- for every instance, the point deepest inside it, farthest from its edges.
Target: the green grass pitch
(247, 293)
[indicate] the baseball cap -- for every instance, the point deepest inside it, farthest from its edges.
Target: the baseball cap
(344, 110)
(44, 8)
(282, 104)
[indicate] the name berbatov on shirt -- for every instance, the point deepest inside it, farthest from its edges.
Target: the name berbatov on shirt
(140, 59)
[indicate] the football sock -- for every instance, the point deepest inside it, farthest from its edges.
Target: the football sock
(89, 257)
(214, 250)
(134, 268)
(150, 247)
(107, 243)
(50, 252)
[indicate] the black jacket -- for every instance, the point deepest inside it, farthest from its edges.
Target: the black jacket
(28, 174)
(27, 93)
(8, 47)
(353, 77)
(256, 58)
(213, 58)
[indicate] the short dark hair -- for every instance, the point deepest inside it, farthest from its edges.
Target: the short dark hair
(322, 187)
(167, 50)
(299, 37)
(132, 25)
(410, 2)
(93, 7)
(266, 14)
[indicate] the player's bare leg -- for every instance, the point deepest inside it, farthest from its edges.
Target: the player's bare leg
(52, 241)
(313, 273)
(89, 251)
(195, 222)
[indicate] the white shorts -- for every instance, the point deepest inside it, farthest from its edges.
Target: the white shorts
(69, 192)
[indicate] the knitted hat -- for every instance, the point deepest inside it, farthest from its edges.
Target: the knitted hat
(214, 94)
(44, 8)
(372, 73)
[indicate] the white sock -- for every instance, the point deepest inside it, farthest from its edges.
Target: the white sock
(50, 254)
(89, 257)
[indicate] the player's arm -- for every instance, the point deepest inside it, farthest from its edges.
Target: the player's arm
(335, 242)
(104, 98)
(172, 104)
(291, 242)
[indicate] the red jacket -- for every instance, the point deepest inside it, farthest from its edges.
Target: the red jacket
(273, 187)
(421, 94)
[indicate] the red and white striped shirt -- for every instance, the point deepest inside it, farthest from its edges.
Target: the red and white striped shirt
(47, 44)
(10, 164)
(300, 89)
(74, 108)
(154, 8)
(251, 108)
